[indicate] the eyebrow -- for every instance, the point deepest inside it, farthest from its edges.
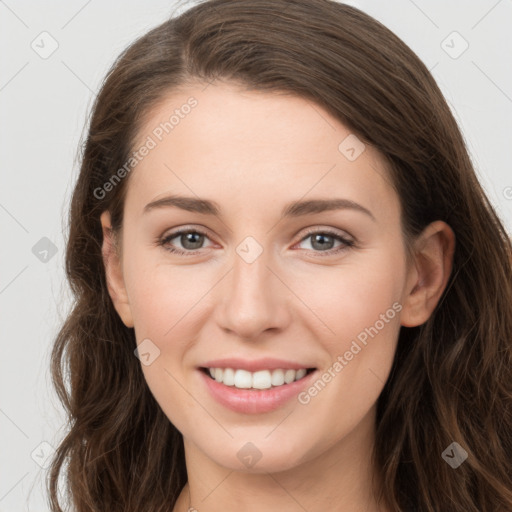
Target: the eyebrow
(293, 209)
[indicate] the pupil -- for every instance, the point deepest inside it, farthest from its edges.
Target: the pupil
(189, 239)
(321, 238)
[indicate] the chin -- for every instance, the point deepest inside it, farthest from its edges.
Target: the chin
(265, 456)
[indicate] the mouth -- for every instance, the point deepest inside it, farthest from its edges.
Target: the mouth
(258, 381)
(256, 392)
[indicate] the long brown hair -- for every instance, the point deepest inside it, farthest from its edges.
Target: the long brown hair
(451, 380)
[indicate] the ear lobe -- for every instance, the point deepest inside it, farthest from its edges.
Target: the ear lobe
(433, 260)
(114, 271)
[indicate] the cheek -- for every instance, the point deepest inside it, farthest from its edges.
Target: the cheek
(161, 294)
(349, 299)
(165, 302)
(362, 311)
(358, 309)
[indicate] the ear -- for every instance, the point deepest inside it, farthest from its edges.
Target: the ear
(114, 271)
(428, 274)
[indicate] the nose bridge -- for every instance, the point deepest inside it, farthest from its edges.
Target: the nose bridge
(251, 301)
(250, 273)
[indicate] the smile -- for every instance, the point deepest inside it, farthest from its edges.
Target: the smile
(263, 379)
(249, 392)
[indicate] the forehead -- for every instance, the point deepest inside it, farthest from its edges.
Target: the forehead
(249, 148)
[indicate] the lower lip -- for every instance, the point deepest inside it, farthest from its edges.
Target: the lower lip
(253, 401)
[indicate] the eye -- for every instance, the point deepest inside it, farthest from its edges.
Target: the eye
(190, 239)
(323, 240)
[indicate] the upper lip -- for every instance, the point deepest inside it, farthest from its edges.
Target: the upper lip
(255, 365)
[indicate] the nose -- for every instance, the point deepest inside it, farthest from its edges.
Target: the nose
(252, 299)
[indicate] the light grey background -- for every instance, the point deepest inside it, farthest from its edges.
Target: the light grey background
(43, 108)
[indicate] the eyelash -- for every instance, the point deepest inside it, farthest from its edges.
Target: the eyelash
(346, 243)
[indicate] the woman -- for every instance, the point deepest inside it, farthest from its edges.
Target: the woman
(291, 291)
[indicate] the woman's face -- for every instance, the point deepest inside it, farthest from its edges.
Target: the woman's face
(263, 278)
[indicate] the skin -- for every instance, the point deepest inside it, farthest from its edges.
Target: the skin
(252, 153)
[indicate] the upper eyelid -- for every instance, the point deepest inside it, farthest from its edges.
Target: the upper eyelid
(181, 230)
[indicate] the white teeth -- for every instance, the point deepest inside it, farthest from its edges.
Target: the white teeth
(243, 379)
(263, 379)
(277, 378)
(289, 376)
(300, 373)
(228, 377)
